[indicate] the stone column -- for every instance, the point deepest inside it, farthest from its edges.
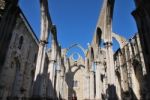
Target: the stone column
(141, 55)
(52, 63)
(62, 85)
(39, 70)
(58, 72)
(99, 84)
(111, 90)
(92, 83)
(51, 71)
(121, 71)
(134, 82)
(104, 77)
(54, 48)
(87, 86)
(86, 83)
(43, 38)
(58, 83)
(37, 88)
(40, 57)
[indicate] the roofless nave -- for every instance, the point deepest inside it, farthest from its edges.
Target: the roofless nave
(28, 71)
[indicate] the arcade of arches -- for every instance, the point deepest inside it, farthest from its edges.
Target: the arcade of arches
(30, 70)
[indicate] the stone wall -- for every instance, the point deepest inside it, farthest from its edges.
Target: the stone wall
(16, 76)
(131, 70)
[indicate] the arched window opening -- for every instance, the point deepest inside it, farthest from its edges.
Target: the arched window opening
(20, 42)
(92, 54)
(99, 33)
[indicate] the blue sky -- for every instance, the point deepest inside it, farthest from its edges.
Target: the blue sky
(76, 19)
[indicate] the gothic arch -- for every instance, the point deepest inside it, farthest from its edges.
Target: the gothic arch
(121, 40)
(77, 46)
(92, 54)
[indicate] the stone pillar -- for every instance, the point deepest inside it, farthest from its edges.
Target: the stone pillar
(41, 54)
(58, 72)
(134, 82)
(87, 86)
(141, 55)
(92, 83)
(58, 83)
(99, 84)
(52, 62)
(39, 70)
(121, 71)
(51, 71)
(104, 77)
(86, 83)
(37, 88)
(129, 65)
(54, 48)
(62, 85)
(111, 90)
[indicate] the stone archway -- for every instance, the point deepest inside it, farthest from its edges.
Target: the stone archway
(76, 46)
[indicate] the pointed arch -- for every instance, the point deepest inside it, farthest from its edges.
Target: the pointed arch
(77, 46)
(121, 40)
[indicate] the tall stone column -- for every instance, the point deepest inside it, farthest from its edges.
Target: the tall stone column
(52, 62)
(134, 84)
(106, 24)
(121, 71)
(58, 73)
(86, 81)
(87, 86)
(62, 84)
(40, 59)
(37, 87)
(51, 71)
(111, 90)
(99, 84)
(141, 55)
(58, 84)
(43, 38)
(92, 83)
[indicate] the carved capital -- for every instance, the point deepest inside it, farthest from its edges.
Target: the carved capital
(108, 44)
(43, 42)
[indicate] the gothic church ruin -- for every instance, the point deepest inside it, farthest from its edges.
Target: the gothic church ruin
(31, 71)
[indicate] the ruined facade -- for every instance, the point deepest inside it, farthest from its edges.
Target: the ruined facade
(28, 69)
(17, 71)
